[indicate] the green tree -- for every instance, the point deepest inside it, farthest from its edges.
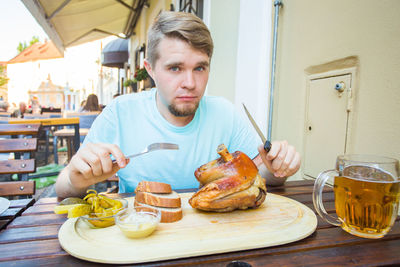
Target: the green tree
(23, 45)
(3, 78)
(35, 39)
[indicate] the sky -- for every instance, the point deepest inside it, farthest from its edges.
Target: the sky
(17, 25)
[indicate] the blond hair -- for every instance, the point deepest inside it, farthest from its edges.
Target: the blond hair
(180, 25)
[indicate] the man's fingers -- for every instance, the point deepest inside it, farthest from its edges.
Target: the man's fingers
(283, 170)
(80, 166)
(275, 148)
(294, 165)
(94, 161)
(282, 160)
(280, 157)
(118, 155)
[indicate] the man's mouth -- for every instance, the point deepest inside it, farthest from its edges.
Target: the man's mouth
(186, 98)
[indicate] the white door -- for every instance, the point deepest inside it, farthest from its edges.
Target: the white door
(326, 122)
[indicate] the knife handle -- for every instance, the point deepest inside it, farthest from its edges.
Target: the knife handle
(267, 146)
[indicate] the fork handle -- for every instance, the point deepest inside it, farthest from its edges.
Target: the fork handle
(131, 156)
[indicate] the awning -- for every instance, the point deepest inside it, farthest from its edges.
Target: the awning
(115, 53)
(73, 22)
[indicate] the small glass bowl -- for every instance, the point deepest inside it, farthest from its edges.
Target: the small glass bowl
(138, 222)
(97, 220)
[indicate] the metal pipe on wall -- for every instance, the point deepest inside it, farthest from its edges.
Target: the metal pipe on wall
(277, 5)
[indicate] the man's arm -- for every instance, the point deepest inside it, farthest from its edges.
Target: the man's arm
(90, 165)
(281, 162)
(64, 187)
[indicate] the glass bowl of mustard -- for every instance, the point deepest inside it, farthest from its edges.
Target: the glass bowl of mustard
(138, 222)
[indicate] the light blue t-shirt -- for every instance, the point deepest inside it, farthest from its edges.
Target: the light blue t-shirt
(133, 122)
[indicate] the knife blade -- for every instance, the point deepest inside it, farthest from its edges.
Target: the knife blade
(267, 143)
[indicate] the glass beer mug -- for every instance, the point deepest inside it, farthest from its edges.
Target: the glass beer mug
(367, 190)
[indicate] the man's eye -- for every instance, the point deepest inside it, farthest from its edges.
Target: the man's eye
(174, 68)
(200, 69)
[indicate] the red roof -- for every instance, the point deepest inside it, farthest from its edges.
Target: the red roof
(37, 51)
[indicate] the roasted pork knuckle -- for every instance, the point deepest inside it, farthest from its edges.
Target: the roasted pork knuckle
(228, 183)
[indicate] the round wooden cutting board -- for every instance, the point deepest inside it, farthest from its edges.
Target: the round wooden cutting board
(279, 220)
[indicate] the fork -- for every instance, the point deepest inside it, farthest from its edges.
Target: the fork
(153, 147)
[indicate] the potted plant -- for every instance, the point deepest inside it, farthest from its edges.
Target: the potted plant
(140, 75)
(129, 83)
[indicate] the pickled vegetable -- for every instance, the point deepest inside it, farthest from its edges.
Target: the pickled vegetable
(99, 208)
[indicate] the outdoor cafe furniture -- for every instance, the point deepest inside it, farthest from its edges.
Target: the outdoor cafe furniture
(32, 240)
(14, 209)
(19, 146)
(57, 122)
(86, 120)
(5, 114)
(67, 134)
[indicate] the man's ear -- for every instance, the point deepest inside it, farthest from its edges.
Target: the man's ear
(149, 70)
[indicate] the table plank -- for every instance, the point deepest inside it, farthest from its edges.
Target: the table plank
(53, 260)
(46, 121)
(35, 220)
(39, 209)
(22, 129)
(26, 202)
(47, 200)
(370, 254)
(11, 212)
(297, 190)
(30, 249)
(16, 209)
(11, 235)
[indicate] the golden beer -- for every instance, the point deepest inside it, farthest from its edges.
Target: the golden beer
(367, 207)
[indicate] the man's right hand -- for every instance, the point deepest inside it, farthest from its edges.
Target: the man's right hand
(93, 164)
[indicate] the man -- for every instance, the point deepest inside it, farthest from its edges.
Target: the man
(179, 53)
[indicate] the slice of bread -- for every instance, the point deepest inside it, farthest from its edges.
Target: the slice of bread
(171, 200)
(168, 215)
(153, 187)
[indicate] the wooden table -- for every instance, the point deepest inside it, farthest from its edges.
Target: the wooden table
(31, 239)
(15, 209)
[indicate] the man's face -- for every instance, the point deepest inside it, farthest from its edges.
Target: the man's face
(181, 75)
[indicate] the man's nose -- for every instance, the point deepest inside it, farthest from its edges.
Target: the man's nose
(188, 80)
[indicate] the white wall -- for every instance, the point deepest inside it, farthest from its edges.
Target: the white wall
(314, 32)
(223, 24)
(253, 60)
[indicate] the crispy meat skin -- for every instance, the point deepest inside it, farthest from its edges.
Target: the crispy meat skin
(229, 185)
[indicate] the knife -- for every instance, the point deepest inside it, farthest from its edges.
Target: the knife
(267, 143)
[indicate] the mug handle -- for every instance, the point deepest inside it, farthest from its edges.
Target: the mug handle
(317, 197)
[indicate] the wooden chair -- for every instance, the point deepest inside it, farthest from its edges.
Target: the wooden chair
(19, 129)
(18, 188)
(22, 164)
(20, 147)
(18, 166)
